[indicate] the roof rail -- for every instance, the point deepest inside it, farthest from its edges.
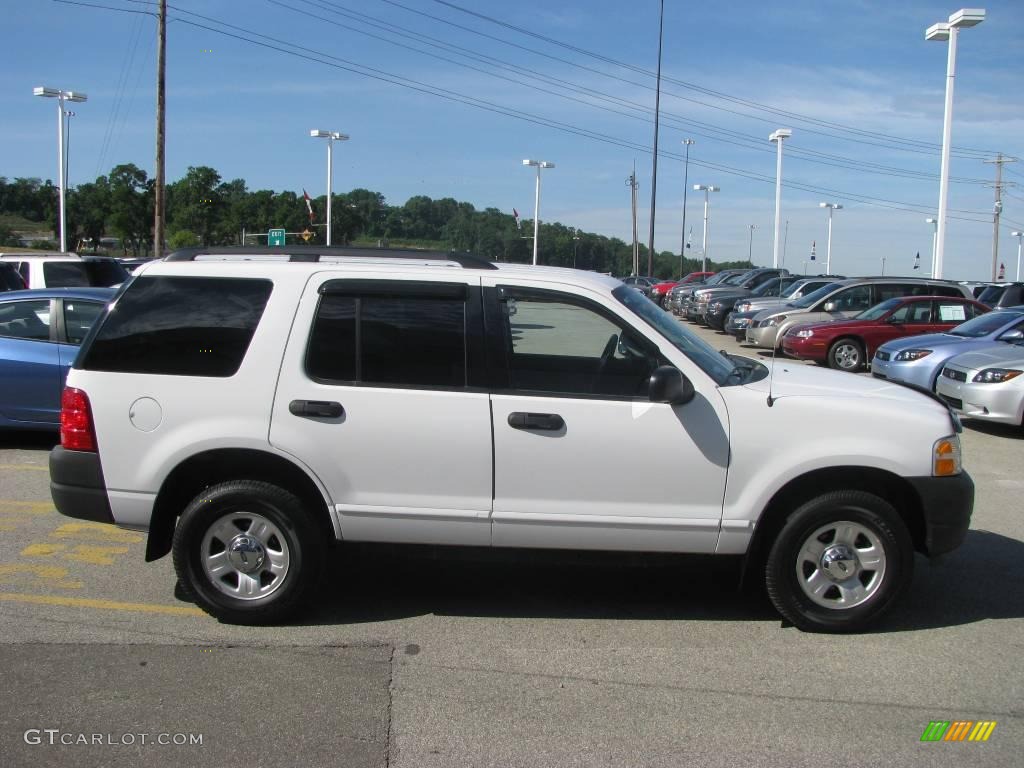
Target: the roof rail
(315, 252)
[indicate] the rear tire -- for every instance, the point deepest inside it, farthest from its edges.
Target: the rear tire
(840, 561)
(248, 552)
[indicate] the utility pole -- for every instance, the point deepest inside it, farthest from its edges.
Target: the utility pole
(631, 181)
(750, 247)
(654, 172)
(161, 63)
(686, 185)
(997, 208)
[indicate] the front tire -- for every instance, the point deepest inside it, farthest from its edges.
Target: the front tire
(846, 355)
(840, 561)
(248, 552)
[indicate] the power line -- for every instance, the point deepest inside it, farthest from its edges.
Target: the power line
(742, 140)
(336, 62)
(933, 148)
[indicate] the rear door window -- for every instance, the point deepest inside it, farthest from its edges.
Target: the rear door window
(180, 326)
(78, 318)
(80, 274)
(26, 320)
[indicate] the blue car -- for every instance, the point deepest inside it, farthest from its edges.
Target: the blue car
(40, 332)
(919, 359)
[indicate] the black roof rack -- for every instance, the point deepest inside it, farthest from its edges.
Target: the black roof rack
(314, 252)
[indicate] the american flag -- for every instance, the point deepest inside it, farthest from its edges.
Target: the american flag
(309, 205)
(515, 214)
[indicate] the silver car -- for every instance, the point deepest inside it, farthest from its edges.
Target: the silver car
(987, 384)
(919, 359)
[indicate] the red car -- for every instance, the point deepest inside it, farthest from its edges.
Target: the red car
(850, 344)
(660, 290)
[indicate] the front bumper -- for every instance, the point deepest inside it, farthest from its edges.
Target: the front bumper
(764, 336)
(804, 348)
(989, 402)
(77, 485)
(947, 503)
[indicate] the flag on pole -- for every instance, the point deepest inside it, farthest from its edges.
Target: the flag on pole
(309, 204)
(689, 238)
(814, 244)
(917, 261)
(519, 223)
(1002, 271)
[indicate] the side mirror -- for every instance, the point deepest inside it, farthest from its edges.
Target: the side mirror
(669, 385)
(1014, 335)
(831, 306)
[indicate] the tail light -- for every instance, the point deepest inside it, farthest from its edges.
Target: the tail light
(77, 432)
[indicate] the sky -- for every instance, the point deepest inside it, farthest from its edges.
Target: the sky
(446, 98)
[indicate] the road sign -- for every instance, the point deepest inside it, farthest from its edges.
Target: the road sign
(275, 237)
(306, 234)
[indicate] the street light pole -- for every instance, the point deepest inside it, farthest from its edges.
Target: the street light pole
(686, 184)
(536, 202)
(778, 137)
(61, 96)
(1019, 236)
(331, 136)
(828, 249)
(750, 247)
(965, 17)
(935, 236)
(706, 189)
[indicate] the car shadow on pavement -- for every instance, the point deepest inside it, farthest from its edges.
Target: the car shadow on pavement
(386, 583)
(996, 430)
(980, 580)
(28, 440)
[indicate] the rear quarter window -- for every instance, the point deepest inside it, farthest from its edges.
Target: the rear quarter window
(179, 326)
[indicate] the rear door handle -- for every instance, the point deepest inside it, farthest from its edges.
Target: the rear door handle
(317, 408)
(548, 421)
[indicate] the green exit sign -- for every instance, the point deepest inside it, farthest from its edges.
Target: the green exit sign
(275, 237)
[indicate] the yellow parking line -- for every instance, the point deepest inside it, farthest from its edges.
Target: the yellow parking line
(106, 605)
(26, 507)
(33, 467)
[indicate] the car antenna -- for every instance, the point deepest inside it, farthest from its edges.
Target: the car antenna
(771, 373)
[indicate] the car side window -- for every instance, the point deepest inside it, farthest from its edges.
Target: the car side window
(903, 314)
(564, 346)
(919, 312)
(79, 317)
(853, 299)
(25, 320)
(394, 339)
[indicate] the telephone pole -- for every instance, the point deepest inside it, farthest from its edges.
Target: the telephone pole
(997, 208)
(161, 63)
(631, 181)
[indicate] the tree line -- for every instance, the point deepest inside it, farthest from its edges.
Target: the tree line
(203, 209)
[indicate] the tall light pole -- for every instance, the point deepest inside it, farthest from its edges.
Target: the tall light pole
(965, 17)
(1019, 236)
(331, 136)
(935, 236)
(686, 184)
(536, 202)
(750, 246)
(706, 189)
(778, 137)
(61, 96)
(575, 245)
(654, 169)
(828, 248)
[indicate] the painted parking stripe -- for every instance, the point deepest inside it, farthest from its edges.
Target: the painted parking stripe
(26, 507)
(33, 467)
(105, 605)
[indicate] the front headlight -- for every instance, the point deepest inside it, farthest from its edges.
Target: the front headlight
(804, 334)
(743, 307)
(908, 355)
(717, 305)
(774, 320)
(996, 375)
(946, 457)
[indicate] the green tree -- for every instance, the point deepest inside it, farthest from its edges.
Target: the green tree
(195, 202)
(7, 236)
(182, 238)
(89, 207)
(131, 207)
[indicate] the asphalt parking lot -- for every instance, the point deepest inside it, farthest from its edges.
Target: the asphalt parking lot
(417, 660)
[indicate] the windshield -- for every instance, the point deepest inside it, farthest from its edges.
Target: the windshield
(985, 324)
(992, 294)
(733, 279)
(811, 298)
(878, 310)
(699, 351)
(771, 287)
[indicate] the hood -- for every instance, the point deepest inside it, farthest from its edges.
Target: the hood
(998, 355)
(798, 380)
(925, 341)
(715, 293)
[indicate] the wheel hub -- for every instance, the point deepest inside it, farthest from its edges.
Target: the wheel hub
(246, 553)
(839, 562)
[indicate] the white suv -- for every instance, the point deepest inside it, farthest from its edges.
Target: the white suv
(66, 270)
(247, 409)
